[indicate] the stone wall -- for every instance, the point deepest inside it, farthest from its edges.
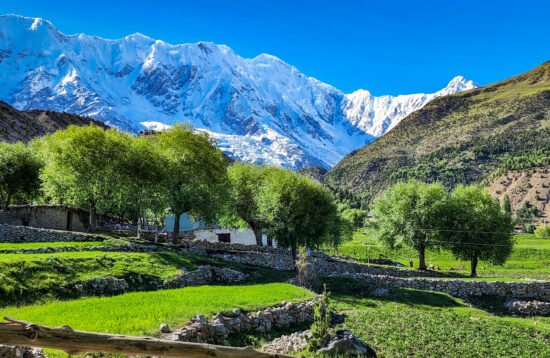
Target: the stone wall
(203, 275)
(281, 259)
(325, 265)
(219, 327)
(527, 308)
(460, 288)
(15, 234)
(55, 217)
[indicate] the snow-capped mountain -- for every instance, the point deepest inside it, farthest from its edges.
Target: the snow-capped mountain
(258, 110)
(377, 115)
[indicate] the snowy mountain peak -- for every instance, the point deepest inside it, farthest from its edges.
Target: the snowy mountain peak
(458, 84)
(258, 110)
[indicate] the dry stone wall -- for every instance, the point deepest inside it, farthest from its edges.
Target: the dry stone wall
(460, 288)
(18, 234)
(217, 329)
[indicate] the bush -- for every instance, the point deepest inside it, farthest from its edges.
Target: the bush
(543, 232)
(320, 329)
(529, 228)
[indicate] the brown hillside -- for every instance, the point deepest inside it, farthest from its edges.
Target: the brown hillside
(23, 126)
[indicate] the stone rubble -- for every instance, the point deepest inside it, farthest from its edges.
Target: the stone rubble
(20, 352)
(287, 344)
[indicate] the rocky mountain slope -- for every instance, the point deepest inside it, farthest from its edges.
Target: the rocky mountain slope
(469, 137)
(23, 126)
(258, 110)
(527, 188)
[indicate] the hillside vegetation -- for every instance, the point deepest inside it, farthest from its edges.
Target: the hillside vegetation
(463, 138)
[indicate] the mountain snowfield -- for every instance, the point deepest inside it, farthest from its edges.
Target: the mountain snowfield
(260, 110)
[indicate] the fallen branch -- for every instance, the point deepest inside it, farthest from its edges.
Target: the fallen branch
(64, 338)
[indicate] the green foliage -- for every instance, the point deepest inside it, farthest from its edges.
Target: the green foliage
(356, 217)
(320, 329)
(19, 173)
(506, 205)
(543, 232)
(410, 214)
(298, 211)
(526, 214)
(479, 229)
(245, 196)
(195, 174)
(141, 313)
(85, 166)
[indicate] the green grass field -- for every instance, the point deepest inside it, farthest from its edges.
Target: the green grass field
(411, 323)
(141, 313)
(530, 258)
(46, 245)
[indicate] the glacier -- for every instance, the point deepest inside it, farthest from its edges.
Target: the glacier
(258, 110)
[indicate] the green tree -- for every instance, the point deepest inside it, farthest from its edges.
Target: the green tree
(411, 214)
(19, 173)
(507, 205)
(481, 230)
(144, 191)
(356, 217)
(196, 175)
(246, 183)
(85, 167)
(297, 211)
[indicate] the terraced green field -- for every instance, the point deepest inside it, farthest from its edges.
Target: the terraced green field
(530, 258)
(141, 313)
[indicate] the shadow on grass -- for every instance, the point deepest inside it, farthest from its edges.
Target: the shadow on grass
(344, 289)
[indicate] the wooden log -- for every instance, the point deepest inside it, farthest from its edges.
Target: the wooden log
(21, 333)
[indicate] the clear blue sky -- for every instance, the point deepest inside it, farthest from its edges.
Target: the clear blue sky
(388, 47)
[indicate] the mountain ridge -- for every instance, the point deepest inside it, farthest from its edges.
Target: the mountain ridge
(468, 137)
(261, 109)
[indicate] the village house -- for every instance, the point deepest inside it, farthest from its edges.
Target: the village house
(195, 230)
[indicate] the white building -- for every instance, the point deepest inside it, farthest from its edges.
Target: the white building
(199, 231)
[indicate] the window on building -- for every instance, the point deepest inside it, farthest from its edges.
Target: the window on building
(224, 237)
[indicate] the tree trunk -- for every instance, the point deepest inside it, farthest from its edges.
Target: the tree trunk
(20, 333)
(7, 202)
(257, 232)
(294, 250)
(176, 229)
(473, 268)
(421, 256)
(93, 217)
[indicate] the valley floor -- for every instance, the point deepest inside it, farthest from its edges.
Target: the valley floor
(395, 322)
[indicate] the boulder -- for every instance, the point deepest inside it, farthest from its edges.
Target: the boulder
(344, 343)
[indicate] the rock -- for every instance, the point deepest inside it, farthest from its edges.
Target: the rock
(344, 343)
(20, 352)
(164, 328)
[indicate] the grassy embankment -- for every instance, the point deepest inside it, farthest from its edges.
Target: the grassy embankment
(27, 278)
(530, 258)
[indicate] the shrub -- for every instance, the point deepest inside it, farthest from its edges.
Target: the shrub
(543, 232)
(320, 329)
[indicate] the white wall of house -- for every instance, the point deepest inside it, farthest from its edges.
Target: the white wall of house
(237, 236)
